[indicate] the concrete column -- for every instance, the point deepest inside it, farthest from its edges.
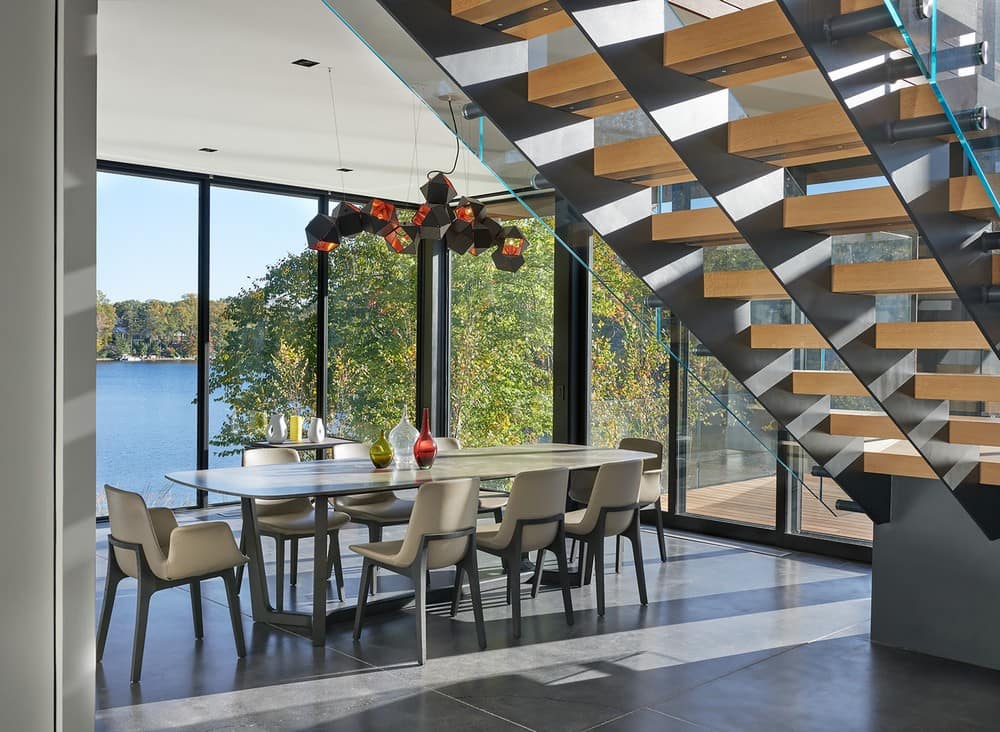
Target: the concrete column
(935, 577)
(47, 323)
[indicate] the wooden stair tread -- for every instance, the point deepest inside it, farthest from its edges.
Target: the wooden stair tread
(697, 227)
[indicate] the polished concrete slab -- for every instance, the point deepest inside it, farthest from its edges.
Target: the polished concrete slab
(735, 637)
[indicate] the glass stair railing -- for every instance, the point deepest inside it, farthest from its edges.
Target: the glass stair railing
(715, 397)
(953, 42)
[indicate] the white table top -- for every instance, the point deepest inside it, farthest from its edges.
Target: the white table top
(341, 477)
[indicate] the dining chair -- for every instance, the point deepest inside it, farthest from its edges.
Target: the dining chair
(441, 533)
(148, 545)
(289, 520)
(650, 495)
(533, 522)
(613, 510)
(492, 502)
(373, 510)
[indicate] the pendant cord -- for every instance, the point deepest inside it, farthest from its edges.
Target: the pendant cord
(458, 144)
(336, 132)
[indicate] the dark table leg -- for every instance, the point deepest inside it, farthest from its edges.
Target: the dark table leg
(319, 573)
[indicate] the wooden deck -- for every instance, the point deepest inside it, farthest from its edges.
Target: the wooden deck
(752, 501)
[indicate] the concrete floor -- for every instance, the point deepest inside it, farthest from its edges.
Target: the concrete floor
(735, 637)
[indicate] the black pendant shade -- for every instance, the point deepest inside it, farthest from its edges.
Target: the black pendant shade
(438, 189)
(485, 235)
(509, 254)
(380, 217)
(459, 236)
(403, 239)
(433, 220)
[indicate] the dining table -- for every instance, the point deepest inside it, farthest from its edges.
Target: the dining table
(321, 480)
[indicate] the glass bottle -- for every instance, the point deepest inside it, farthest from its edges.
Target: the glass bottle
(401, 438)
(425, 448)
(381, 452)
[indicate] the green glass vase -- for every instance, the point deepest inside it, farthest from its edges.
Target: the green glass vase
(381, 452)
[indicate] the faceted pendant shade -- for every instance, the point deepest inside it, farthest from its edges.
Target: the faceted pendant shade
(433, 220)
(470, 210)
(381, 217)
(508, 257)
(484, 236)
(322, 234)
(403, 239)
(459, 236)
(438, 189)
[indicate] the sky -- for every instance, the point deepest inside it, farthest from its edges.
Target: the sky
(147, 236)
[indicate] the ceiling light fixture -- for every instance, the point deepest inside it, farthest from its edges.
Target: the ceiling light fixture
(306, 63)
(208, 149)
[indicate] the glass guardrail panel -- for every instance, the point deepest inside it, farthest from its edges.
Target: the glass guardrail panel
(519, 180)
(953, 42)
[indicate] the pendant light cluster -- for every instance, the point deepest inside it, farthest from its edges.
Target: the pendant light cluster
(464, 226)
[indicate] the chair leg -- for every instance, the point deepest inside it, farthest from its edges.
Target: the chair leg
(472, 570)
(514, 592)
(334, 563)
(659, 529)
(374, 534)
(420, 606)
(141, 619)
(640, 572)
(560, 552)
(536, 579)
(498, 515)
(594, 547)
(199, 627)
(618, 554)
(599, 576)
(583, 563)
(366, 581)
(243, 551)
(572, 548)
(456, 597)
(279, 573)
(233, 598)
(111, 582)
(293, 569)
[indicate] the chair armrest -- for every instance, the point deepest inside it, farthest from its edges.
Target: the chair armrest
(164, 522)
(202, 548)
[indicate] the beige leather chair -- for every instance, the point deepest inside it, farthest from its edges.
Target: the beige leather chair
(493, 502)
(147, 544)
(613, 510)
(290, 520)
(374, 510)
(441, 533)
(650, 495)
(533, 522)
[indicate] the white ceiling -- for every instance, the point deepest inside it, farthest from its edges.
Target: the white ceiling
(179, 75)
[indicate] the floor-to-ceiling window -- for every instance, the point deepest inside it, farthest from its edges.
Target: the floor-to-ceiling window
(147, 279)
(262, 322)
(501, 345)
(373, 337)
(630, 363)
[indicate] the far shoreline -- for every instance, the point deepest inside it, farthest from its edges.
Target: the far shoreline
(159, 359)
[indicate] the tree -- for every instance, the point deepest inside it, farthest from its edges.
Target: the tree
(105, 322)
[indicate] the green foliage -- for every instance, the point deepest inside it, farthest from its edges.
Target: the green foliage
(501, 345)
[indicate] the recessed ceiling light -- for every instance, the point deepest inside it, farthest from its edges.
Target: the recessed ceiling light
(305, 62)
(208, 149)
(345, 170)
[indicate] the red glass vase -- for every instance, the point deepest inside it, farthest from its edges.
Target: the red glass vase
(425, 449)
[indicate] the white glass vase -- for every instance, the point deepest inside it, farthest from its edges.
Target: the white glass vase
(402, 437)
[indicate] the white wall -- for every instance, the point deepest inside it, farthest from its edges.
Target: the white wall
(47, 284)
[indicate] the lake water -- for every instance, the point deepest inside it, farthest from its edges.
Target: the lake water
(146, 424)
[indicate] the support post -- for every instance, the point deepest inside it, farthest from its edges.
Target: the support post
(433, 331)
(204, 313)
(571, 328)
(322, 325)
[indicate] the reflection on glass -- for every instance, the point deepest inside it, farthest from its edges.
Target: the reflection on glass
(630, 370)
(827, 510)
(726, 473)
(263, 317)
(146, 336)
(501, 345)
